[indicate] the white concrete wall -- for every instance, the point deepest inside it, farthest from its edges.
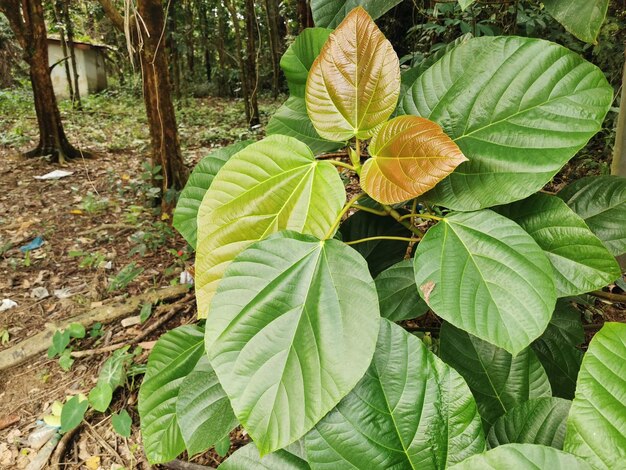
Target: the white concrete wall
(89, 66)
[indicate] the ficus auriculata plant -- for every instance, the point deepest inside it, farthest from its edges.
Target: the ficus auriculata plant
(304, 288)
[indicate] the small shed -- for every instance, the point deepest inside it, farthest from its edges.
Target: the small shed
(90, 67)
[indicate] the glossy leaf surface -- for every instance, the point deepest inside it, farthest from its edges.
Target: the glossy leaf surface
(203, 411)
(281, 336)
(498, 380)
(299, 56)
(409, 411)
(329, 13)
(580, 260)
(483, 273)
(519, 109)
(582, 18)
(596, 428)
(248, 458)
(410, 155)
(537, 421)
(174, 356)
(601, 202)
(523, 456)
(272, 185)
(292, 119)
(186, 213)
(397, 293)
(354, 83)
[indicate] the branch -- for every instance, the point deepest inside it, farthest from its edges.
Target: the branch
(113, 14)
(12, 10)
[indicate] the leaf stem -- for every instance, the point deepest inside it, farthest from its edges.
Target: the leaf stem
(381, 237)
(420, 216)
(341, 164)
(355, 156)
(370, 210)
(396, 215)
(345, 209)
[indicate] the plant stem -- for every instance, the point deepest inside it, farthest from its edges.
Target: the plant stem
(621, 298)
(341, 164)
(345, 209)
(396, 215)
(355, 156)
(382, 237)
(370, 210)
(420, 216)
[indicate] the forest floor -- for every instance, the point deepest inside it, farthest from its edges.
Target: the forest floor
(104, 244)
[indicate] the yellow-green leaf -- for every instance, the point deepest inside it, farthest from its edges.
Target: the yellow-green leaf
(354, 83)
(410, 155)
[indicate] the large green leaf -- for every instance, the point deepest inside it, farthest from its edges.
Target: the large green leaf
(465, 3)
(523, 456)
(282, 333)
(186, 213)
(292, 119)
(329, 13)
(580, 260)
(518, 108)
(379, 254)
(596, 427)
(537, 421)
(175, 355)
(498, 380)
(354, 83)
(582, 18)
(248, 458)
(601, 202)
(409, 411)
(298, 58)
(271, 185)
(203, 411)
(557, 351)
(397, 293)
(483, 273)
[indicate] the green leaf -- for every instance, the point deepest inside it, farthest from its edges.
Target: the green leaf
(379, 254)
(174, 356)
(271, 185)
(523, 456)
(580, 260)
(186, 213)
(223, 446)
(537, 421)
(329, 13)
(601, 202)
(60, 341)
(203, 411)
(100, 397)
(66, 361)
(465, 3)
(498, 380)
(518, 108)
(113, 372)
(72, 413)
(248, 458)
(582, 18)
(354, 83)
(596, 427)
(76, 330)
(483, 273)
(298, 58)
(282, 333)
(292, 119)
(409, 411)
(146, 311)
(121, 423)
(557, 352)
(397, 293)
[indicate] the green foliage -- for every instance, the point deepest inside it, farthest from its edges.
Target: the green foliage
(121, 423)
(125, 276)
(73, 412)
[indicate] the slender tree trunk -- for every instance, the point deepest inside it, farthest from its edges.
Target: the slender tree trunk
(222, 85)
(305, 16)
(27, 22)
(271, 10)
(173, 49)
(618, 166)
(251, 62)
(57, 7)
(76, 102)
(240, 60)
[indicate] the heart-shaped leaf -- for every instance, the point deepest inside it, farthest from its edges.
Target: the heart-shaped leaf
(397, 293)
(174, 356)
(537, 421)
(203, 411)
(271, 185)
(580, 260)
(601, 202)
(582, 18)
(354, 83)
(596, 427)
(518, 108)
(186, 213)
(410, 155)
(292, 119)
(498, 380)
(409, 411)
(523, 456)
(298, 58)
(248, 458)
(281, 336)
(483, 273)
(329, 13)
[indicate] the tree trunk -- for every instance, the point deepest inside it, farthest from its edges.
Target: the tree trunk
(57, 7)
(222, 82)
(27, 22)
(240, 60)
(251, 62)
(271, 10)
(305, 16)
(70, 42)
(618, 166)
(173, 50)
